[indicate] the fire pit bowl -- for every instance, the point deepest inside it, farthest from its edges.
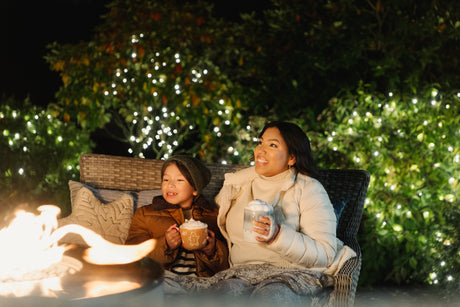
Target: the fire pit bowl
(86, 284)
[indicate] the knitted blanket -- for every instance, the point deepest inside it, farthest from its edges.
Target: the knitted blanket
(255, 282)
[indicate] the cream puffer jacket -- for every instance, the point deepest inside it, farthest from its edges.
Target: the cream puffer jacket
(307, 236)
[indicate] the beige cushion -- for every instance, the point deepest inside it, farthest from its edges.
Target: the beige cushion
(141, 198)
(104, 195)
(110, 220)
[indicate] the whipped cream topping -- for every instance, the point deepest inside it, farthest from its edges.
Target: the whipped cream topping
(193, 224)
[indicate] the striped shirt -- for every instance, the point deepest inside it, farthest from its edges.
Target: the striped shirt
(185, 263)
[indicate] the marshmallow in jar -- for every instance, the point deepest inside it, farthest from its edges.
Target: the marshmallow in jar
(252, 212)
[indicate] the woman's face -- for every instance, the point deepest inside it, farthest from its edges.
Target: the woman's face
(176, 189)
(271, 155)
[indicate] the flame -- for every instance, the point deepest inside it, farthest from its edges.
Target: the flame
(29, 235)
(102, 251)
(31, 252)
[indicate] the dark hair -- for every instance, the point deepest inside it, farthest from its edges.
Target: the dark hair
(298, 145)
(184, 171)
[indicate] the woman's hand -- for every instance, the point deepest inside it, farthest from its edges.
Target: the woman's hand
(172, 237)
(263, 228)
(210, 248)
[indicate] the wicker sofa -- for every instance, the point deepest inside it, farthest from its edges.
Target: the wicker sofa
(137, 175)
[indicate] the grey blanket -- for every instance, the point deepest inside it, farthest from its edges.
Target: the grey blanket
(262, 283)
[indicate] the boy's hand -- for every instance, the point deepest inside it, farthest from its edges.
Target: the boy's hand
(210, 248)
(172, 237)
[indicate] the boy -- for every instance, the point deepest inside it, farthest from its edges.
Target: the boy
(183, 180)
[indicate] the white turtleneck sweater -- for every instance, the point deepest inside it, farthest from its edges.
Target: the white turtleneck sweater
(302, 208)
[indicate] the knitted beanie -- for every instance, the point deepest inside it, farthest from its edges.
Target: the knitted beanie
(199, 173)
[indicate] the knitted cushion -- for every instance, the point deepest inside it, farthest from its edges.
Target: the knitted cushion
(110, 220)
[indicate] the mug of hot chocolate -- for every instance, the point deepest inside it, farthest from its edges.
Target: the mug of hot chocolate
(193, 234)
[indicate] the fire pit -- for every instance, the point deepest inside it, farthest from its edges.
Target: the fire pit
(103, 273)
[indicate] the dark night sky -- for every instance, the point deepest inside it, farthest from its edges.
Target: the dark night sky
(28, 26)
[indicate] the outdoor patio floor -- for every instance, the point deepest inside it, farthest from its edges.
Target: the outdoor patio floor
(403, 297)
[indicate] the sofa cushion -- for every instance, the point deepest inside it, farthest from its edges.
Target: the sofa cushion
(111, 220)
(145, 197)
(104, 195)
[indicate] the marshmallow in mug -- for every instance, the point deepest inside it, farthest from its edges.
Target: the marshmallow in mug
(193, 224)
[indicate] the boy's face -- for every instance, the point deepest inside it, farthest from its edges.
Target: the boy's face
(176, 189)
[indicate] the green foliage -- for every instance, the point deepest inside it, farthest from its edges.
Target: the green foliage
(285, 62)
(148, 71)
(39, 155)
(300, 53)
(410, 144)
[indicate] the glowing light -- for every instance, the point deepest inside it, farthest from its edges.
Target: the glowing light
(21, 171)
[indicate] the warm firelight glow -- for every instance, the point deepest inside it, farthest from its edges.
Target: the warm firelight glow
(31, 254)
(99, 288)
(27, 246)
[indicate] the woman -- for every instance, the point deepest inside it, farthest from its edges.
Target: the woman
(284, 176)
(286, 267)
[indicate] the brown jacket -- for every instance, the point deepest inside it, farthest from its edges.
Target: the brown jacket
(153, 220)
